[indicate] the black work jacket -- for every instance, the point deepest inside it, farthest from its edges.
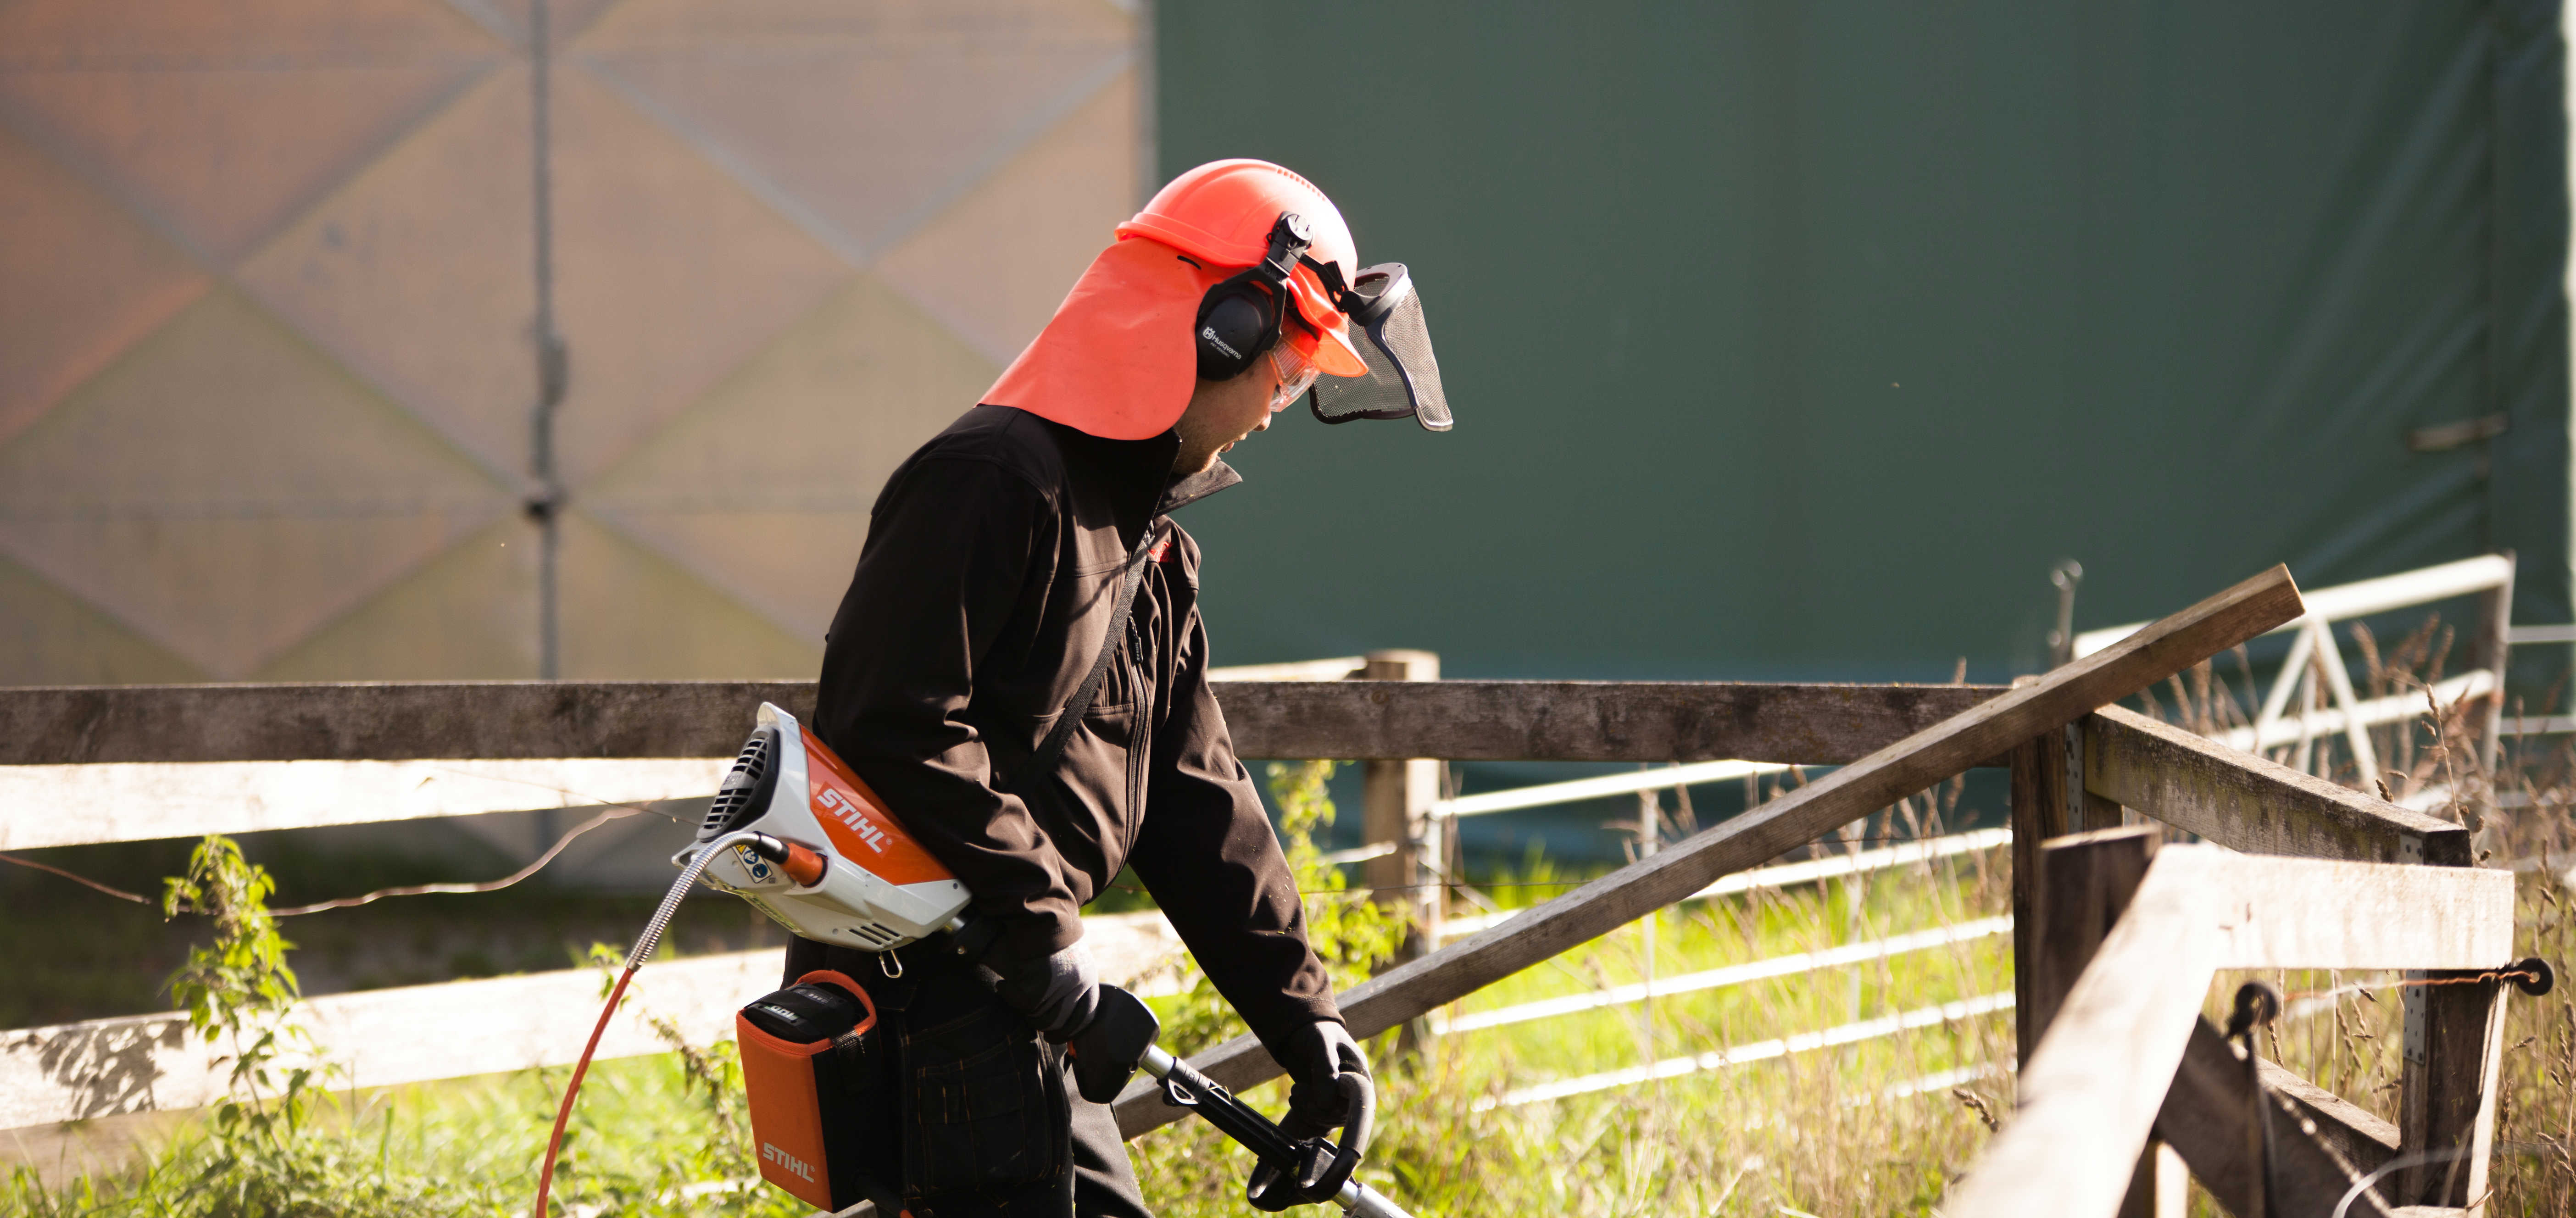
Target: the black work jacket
(984, 590)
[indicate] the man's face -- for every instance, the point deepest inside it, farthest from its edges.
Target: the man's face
(1222, 413)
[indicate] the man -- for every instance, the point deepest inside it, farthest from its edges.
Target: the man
(1019, 671)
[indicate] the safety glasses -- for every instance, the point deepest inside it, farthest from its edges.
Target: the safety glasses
(1296, 375)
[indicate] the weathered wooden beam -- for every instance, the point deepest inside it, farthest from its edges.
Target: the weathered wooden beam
(2081, 886)
(148, 1063)
(385, 721)
(2352, 1131)
(1802, 724)
(2211, 1116)
(2088, 1096)
(1899, 770)
(2244, 802)
(2448, 1074)
(2091, 1093)
(144, 1063)
(144, 800)
(2326, 914)
(2085, 882)
(1587, 720)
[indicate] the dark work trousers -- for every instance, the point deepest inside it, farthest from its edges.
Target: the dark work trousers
(984, 1120)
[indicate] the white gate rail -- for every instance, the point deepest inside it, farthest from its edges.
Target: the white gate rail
(2314, 655)
(1766, 969)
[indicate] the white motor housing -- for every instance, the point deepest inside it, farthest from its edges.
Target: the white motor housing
(879, 889)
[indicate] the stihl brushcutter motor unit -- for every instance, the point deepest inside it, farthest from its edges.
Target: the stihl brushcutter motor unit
(795, 833)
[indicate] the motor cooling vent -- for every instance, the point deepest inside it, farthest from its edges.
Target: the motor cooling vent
(746, 788)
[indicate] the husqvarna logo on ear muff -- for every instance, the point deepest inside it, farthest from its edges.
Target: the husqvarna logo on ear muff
(1208, 333)
(803, 1169)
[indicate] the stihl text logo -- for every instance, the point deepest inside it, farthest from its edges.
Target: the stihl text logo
(803, 1169)
(851, 814)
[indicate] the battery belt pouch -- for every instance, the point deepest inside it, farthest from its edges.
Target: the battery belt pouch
(811, 1065)
(981, 1096)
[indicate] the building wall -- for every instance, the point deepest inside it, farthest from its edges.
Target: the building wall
(266, 351)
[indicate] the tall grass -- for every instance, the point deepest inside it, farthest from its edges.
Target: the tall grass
(1846, 1130)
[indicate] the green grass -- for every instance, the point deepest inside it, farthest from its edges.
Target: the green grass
(1817, 1132)
(643, 1136)
(1812, 1131)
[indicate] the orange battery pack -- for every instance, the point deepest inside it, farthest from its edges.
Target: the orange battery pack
(808, 1062)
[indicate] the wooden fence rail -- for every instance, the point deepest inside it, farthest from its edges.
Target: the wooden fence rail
(1913, 764)
(1797, 723)
(379, 1038)
(185, 760)
(2076, 762)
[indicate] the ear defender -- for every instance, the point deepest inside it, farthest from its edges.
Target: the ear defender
(1239, 319)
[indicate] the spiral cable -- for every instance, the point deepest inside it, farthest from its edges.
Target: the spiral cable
(635, 958)
(670, 907)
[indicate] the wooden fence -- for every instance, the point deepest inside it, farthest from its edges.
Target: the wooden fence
(2075, 760)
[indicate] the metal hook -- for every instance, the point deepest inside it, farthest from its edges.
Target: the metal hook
(889, 964)
(2258, 1003)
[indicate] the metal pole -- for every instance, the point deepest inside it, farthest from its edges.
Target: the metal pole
(545, 499)
(1650, 826)
(2061, 641)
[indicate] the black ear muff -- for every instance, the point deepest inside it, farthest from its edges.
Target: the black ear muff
(1238, 320)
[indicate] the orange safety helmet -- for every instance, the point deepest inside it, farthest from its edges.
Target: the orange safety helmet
(1118, 360)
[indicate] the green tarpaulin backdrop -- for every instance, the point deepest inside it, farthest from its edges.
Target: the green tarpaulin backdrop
(1798, 340)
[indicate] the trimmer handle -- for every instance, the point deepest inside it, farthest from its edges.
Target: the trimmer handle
(1120, 1038)
(1107, 1050)
(1323, 1171)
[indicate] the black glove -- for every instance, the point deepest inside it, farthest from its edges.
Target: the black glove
(1057, 994)
(1316, 1060)
(1105, 1053)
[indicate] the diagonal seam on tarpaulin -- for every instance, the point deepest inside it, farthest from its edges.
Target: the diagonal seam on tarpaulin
(1038, 122)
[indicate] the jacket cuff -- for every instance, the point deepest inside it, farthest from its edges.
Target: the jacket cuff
(1278, 1028)
(1032, 935)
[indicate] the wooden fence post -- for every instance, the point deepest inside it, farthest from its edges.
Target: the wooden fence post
(2447, 1088)
(2087, 811)
(1395, 807)
(2038, 808)
(2447, 1077)
(2084, 884)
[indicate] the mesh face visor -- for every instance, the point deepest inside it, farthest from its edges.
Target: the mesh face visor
(1403, 378)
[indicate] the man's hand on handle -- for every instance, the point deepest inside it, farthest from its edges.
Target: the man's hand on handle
(1317, 1061)
(1057, 993)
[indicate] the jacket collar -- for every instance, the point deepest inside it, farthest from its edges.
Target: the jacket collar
(1141, 472)
(1190, 488)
